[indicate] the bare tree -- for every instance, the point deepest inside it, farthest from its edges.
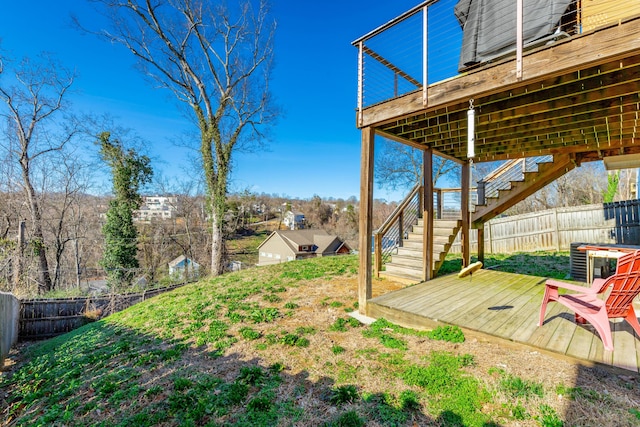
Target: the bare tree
(67, 179)
(35, 102)
(399, 166)
(217, 61)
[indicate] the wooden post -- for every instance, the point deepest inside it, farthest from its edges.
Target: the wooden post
(377, 251)
(439, 203)
(427, 216)
(18, 262)
(481, 242)
(400, 228)
(366, 212)
(464, 202)
(557, 228)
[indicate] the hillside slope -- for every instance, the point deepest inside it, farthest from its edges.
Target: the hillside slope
(275, 346)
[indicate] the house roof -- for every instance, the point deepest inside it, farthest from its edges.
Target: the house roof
(179, 260)
(324, 241)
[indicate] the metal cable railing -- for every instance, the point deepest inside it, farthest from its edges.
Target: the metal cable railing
(432, 42)
(501, 178)
(389, 236)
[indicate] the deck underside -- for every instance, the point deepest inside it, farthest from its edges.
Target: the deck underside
(506, 306)
(579, 96)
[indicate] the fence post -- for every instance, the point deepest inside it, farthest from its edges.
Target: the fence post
(18, 265)
(556, 228)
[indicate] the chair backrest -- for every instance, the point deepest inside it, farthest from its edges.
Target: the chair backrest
(625, 285)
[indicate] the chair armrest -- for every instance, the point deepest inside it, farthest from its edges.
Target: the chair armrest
(595, 287)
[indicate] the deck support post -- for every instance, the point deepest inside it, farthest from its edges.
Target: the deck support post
(366, 213)
(464, 202)
(427, 216)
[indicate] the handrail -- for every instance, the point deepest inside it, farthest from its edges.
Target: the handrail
(396, 212)
(501, 178)
(393, 22)
(500, 169)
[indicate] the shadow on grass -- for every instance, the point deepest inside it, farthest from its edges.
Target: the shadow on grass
(544, 264)
(107, 374)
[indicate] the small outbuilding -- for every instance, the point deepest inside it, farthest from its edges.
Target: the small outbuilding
(289, 245)
(182, 264)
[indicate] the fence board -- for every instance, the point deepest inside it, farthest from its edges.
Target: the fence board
(46, 318)
(9, 308)
(556, 229)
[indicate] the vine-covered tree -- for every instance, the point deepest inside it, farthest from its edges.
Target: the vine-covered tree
(129, 172)
(216, 58)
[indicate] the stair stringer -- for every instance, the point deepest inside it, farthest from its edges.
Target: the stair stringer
(520, 190)
(407, 264)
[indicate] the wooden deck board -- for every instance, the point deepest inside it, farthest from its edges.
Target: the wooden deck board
(501, 311)
(624, 355)
(507, 306)
(525, 312)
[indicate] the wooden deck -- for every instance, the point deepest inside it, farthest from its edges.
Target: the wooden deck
(506, 306)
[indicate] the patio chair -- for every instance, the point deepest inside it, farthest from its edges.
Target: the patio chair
(588, 307)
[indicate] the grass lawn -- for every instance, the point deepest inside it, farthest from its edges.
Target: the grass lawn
(274, 346)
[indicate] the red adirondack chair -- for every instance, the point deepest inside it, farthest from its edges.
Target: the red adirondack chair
(625, 286)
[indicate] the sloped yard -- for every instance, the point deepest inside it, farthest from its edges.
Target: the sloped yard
(276, 346)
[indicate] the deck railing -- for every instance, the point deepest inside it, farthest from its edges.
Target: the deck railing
(388, 237)
(501, 178)
(423, 45)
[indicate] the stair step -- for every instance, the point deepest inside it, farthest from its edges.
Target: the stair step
(408, 279)
(438, 236)
(414, 257)
(409, 261)
(440, 223)
(393, 268)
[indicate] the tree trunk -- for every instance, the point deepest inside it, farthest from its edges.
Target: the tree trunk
(217, 244)
(18, 261)
(44, 282)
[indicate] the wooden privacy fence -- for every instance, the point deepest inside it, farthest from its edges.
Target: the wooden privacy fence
(46, 318)
(555, 229)
(9, 308)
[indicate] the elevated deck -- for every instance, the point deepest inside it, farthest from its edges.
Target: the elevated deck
(505, 306)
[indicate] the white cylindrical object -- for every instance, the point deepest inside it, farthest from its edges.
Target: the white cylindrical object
(471, 130)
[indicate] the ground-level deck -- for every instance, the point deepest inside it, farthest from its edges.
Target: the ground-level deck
(506, 306)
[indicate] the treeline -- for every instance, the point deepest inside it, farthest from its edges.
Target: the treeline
(74, 242)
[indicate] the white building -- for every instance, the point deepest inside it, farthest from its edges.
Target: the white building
(157, 207)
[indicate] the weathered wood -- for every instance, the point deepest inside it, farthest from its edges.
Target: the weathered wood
(464, 202)
(366, 212)
(427, 217)
(46, 318)
(505, 306)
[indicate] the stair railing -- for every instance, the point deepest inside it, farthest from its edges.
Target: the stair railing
(501, 178)
(388, 237)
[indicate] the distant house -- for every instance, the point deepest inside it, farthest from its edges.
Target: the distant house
(181, 264)
(289, 245)
(157, 207)
(294, 220)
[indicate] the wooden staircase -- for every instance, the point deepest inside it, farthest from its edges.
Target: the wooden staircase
(407, 263)
(516, 188)
(511, 183)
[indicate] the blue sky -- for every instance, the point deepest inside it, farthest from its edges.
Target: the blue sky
(315, 146)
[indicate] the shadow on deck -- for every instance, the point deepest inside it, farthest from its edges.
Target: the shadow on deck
(506, 306)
